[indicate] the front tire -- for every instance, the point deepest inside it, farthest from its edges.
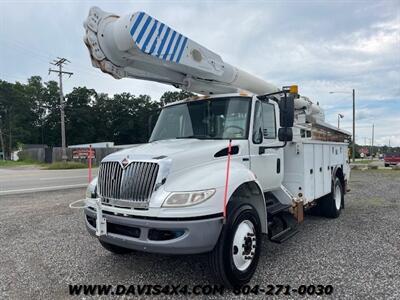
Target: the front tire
(115, 249)
(235, 257)
(331, 204)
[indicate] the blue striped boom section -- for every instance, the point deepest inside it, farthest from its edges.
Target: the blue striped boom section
(157, 39)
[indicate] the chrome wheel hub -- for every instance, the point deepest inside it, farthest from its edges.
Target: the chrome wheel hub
(244, 245)
(338, 197)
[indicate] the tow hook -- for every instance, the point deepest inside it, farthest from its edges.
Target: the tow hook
(101, 223)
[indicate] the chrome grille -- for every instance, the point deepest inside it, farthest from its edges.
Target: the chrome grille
(135, 182)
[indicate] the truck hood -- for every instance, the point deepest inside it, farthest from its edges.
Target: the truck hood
(182, 153)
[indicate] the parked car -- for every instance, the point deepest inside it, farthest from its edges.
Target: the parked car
(391, 159)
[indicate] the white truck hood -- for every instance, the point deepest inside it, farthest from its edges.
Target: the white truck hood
(183, 153)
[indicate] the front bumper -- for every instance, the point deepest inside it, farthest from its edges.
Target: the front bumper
(183, 236)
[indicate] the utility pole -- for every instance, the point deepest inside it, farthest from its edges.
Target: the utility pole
(60, 62)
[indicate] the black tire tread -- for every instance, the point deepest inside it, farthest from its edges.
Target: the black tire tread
(217, 257)
(328, 207)
(217, 265)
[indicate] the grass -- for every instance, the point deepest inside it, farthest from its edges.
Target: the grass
(373, 201)
(364, 161)
(12, 163)
(53, 166)
(65, 165)
(389, 172)
(381, 172)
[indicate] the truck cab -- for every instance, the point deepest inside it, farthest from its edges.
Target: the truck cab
(220, 170)
(167, 196)
(250, 123)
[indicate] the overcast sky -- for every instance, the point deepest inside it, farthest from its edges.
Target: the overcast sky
(321, 46)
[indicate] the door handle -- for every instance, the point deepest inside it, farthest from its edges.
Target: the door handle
(261, 149)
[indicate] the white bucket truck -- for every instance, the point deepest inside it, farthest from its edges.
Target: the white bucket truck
(220, 170)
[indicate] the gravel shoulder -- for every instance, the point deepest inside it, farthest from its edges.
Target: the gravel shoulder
(45, 247)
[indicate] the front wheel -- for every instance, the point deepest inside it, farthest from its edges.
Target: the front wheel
(235, 257)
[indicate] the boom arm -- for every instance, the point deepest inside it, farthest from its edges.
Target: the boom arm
(139, 46)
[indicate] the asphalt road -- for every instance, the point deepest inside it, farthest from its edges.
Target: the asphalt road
(31, 179)
(45, 247)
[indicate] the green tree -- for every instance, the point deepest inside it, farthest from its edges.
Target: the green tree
(170, 96)
(33, 92)
(51, 121)
(30, 114)
(15, 115)
(127, 117)
(80, 125)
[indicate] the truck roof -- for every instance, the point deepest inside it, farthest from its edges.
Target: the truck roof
(195, 98)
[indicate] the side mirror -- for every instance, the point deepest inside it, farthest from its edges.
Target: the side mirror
(285, 134)
(286, 108)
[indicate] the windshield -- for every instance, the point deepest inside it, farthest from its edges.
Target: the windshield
(221, 118)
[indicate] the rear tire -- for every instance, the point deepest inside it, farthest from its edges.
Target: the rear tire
(331, 204)
(115, 249)
(235, 257)
(387, 165)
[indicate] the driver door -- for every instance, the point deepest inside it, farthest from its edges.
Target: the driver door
(265, 161)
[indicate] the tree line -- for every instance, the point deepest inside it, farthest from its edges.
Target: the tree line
(30, 114)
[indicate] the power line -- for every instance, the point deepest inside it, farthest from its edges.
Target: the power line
(60, 62)
(44, 55)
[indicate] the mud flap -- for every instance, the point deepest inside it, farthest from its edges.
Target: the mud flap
(298, 211)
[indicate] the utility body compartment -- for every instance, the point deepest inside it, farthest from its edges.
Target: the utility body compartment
(308, 167)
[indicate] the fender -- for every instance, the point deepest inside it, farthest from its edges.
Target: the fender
(250, 193)
(337, 171)
(212, 175)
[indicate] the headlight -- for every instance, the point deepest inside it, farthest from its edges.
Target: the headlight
(91, 192)
(178, 199)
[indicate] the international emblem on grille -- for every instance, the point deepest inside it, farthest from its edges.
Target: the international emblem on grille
(124, 163)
